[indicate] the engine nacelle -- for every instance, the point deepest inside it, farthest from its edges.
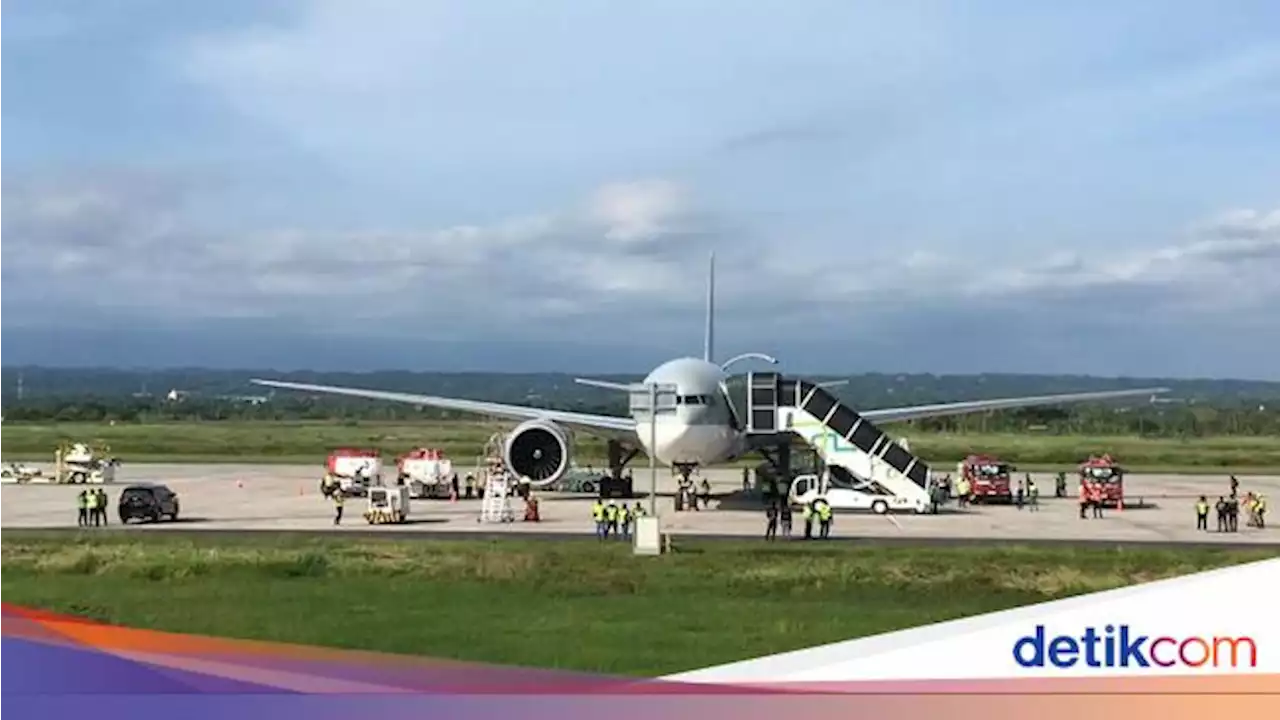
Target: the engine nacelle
(539, 450)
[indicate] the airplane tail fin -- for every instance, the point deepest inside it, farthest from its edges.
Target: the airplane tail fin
(709, 346)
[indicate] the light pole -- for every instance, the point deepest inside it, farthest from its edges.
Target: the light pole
(659, 399)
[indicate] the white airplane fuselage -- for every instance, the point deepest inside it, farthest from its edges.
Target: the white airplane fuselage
(703, 430)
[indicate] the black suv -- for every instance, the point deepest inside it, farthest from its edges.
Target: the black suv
(148, 501)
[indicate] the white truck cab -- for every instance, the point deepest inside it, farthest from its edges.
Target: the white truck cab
(844, 491)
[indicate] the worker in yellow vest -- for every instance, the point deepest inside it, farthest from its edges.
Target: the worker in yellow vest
(824, 518)
(1202, 514)
(597, 514)
(338, 501)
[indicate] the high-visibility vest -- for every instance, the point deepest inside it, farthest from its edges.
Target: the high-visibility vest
(611, 512)
(824, 512)
(597, 512)
(1202, 508)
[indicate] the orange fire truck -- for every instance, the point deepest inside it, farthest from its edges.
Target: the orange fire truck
(1102, 473)
(988, 478)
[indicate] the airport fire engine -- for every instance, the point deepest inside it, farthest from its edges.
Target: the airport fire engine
(1101, 473)
(426, 472)
(355, 470)
(988, 478)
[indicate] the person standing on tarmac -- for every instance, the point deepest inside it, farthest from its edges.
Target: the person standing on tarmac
(82, 509)
(705, 488)
(1019, 493)
(1084, 501)
(338, 500)
(102, 505)
(1220, 509)
(808, 521)
(597, 514)
(1095, 499)
(784, 516)
(624, 522)
(824, 519)
(92, 497)
(1233, 514)
(610, 518)
(1202, 514)
(1033, 496)
(771, 522)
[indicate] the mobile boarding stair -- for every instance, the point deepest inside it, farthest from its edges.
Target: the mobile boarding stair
(842, 437)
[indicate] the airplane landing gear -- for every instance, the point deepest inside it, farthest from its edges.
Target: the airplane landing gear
(615, 484)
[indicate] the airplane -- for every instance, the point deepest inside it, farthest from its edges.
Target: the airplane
(705, 428)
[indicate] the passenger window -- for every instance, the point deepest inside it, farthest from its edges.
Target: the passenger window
(802, 487)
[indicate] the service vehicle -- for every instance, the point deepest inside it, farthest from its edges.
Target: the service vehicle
(148, 501)
(20, 473)
(989, 478)
(426, 472)
(1103, 473)
(845, 491)
(78, 463)
(388, 505)
(355, 469)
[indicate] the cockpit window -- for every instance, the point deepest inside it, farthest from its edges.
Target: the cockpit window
(693, 400)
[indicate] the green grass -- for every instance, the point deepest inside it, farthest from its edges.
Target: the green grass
(308, 442)
(572, 604)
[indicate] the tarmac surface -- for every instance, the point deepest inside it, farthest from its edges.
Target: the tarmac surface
(283, 498)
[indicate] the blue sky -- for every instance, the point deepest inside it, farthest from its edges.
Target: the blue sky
(897, 185)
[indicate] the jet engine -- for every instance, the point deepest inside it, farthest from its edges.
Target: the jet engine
(539, 450)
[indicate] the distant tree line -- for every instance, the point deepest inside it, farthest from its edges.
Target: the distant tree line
(1159, 420)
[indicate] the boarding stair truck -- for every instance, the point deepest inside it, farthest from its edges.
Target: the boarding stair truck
(426, 472)
(77, 463)
(355, 469)
(387, 505)
(1105, 474)
(858, 456)
(989, 479)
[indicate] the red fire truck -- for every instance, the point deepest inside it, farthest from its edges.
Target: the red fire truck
(1104, 474)
(988, 478)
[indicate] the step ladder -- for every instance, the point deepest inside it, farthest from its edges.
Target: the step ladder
(496, 505)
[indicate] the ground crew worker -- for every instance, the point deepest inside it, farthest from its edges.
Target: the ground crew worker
(1060, 485)
(1084, 500)
(1202, 514)
(624, 521)
(1235, 486)
(771, 522)
(1095, 499)
(824, 518)
(92, 498)
(637, 511)
(746, 479)
(784, 515)
(338, 500)
(962, 492)
(102, 505)
(597, 514)
(808, 521)
(1018, 494)
(1033, 495)
(1220, 509)
(1260, 508)
(82, 508)
(1233, 514)
(706, 493)
(610, 518)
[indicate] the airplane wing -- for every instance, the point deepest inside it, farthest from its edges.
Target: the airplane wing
(601, 425)
(960, 408)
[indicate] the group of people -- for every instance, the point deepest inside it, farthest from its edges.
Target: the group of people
(615, 520)
(91, 507)
(1227, 510)
(779, 514)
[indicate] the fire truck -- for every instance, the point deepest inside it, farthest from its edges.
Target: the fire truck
(355, 469)
(988, 478)
(1102, 473)
(427, 473)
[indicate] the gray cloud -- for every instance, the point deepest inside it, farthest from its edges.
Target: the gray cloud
(622, 264)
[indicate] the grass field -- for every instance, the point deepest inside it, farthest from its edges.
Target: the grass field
(576, 605)
(309, 442)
